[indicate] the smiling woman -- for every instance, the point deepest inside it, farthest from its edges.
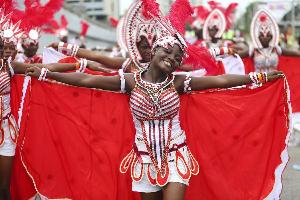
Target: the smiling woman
(161, 163)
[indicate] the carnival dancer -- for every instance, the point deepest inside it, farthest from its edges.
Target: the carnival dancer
(160, 142)
(10, 34)
(265, 35)
(30, 46)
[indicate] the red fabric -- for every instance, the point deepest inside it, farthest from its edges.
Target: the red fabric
(75, 139)
(289, 65)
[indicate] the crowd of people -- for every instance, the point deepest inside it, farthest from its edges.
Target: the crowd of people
(182, 91)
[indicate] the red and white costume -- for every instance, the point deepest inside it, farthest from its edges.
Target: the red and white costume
(160, 153)
(10, 32)
(265, 59)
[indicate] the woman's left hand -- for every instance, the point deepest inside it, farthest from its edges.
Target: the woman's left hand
(33, 71)
(232, 51)
(275, 75)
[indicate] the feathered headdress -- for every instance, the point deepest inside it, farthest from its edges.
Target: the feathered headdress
(169, 30)
(263, 22)
(10, 21)
(59, 29)
(139, 23)
(33, 23)
(201, 14)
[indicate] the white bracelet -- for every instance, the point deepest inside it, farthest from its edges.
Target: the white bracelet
(60, 47)
(75, 50)
(226, 50)
(11, 69)
(266, 76)
(122, 80)
(83, 65)
(187, 87)
(43, 74)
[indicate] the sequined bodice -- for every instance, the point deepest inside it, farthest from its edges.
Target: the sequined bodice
(265, 59)
(151, 101)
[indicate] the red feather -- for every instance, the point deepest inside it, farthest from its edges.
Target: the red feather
(84, 28)
(34, 10)
(229, 10)
(150, 8)
(200, 57)
(215, 5)
(113, 21)
(179, 12)
(64, 21)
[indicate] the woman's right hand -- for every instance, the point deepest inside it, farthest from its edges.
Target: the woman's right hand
(33, 71)
(54, 45)
(275, 75)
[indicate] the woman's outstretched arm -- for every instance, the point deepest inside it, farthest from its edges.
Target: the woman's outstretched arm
(109, 62)
(20, 68)
(222, 81)
(111, 83)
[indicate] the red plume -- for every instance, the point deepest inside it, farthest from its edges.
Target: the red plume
(8, 5)
(32, 3)
(179, 12)
(37, 16)
(84, 28)
(113, 21)
(200, 57)
(215, 5)
(63, 21)
(150, 6)
(229, 10)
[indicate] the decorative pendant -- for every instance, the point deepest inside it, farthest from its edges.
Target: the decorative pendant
(163, 176)
(194, 164)
(126, 162)
(152, 181)
(13, 130)
(187, 174)
(134, 164)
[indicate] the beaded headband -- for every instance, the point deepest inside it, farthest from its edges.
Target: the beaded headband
(215, 18)
(263, 22)
(166, 41)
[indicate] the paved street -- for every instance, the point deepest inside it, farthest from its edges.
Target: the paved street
(291, 177)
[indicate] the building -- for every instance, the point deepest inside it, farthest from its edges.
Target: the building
(95, 9)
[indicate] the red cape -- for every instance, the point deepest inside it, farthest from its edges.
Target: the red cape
(290, 67)
(73, 139)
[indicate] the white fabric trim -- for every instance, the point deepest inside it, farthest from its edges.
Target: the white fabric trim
(277, 187)
(27, 79)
